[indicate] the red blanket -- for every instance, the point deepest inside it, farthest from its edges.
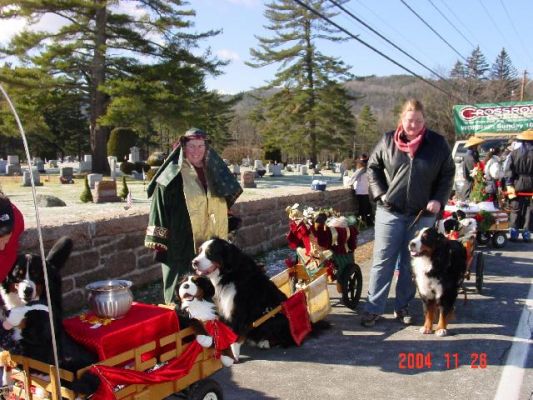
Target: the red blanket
(295, 309)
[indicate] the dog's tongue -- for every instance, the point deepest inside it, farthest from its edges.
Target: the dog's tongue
(414, 253)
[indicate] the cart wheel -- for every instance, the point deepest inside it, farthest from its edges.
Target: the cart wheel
(480, 268)
(482, 238)
(499, 240)
(206, 389)
(352, 286)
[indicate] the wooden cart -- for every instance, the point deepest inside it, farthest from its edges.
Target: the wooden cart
(41, 377)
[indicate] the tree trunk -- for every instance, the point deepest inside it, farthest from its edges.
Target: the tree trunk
(98, 134)
(311, 123)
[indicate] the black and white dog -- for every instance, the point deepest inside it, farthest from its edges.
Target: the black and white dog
(439, 266)
(243, 293)
(27, 309)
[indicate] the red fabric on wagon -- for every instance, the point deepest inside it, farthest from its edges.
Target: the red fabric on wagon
(295, 309)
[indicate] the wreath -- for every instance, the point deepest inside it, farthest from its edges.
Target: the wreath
(484, 221)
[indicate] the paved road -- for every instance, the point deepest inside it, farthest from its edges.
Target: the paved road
(479, 360)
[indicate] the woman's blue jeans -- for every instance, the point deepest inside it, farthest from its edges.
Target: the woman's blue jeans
(391, 238)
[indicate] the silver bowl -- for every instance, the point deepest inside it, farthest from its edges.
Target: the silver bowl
(110, 299)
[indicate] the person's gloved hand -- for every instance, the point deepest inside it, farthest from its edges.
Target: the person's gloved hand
(511, 192)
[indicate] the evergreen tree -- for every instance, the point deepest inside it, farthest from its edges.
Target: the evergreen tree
(86, 196)
(458, 71)
(293, 118)
(503, 77)
(476, 69)
(125, 189)
(101, 45)
(367, 133)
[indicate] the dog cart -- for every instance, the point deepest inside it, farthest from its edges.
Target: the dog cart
(325, 246)
(160, 367)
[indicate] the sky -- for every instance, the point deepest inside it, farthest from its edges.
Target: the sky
(461, 24)
(491, 24)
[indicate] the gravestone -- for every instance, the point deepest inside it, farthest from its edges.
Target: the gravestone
(13, 169)
(236, 169)
(134, 155)
(3, 164)
(276, 169)
(106, 192)
(137, 175)
(112, 166)
(13, 160)
(87, 164)
(303, 170)
(258, 164)
(66, 175)
(46, 200)
(93, 178)
(40, 166)
(247, 179)
(26, 178)
(52, 163)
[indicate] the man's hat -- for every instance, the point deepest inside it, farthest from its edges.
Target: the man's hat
(194, 133)
(473, 141)
(6, 217)
(526, 135)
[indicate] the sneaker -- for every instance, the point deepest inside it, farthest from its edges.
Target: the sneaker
(368, 320)
(513, 233)
(526, 235)
(403, 316)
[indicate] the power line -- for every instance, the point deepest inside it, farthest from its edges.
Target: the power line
(319, 14)
(451, 23)
(433, 30)
(387, 40)
(526, 50)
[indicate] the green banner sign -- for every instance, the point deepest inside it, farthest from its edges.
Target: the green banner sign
(509, 117)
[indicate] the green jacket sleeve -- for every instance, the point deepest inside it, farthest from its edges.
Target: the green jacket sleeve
(157, 232)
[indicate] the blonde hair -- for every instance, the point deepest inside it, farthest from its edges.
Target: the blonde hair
(411, 105)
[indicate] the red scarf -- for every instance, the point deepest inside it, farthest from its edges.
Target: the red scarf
(410, 147)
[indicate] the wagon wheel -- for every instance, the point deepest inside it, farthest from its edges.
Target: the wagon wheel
(482, 237)
(352, 286)
(206, 389)
(480, 268)
(499, 240)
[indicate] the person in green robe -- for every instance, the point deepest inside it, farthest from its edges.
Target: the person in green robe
(191, 195)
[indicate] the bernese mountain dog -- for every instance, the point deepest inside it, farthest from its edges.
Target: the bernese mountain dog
(439, 267)
(27, 314)
(243, 293)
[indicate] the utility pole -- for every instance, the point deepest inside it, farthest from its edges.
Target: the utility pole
(523, 85)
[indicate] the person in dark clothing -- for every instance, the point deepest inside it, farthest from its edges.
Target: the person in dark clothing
(520, 180)
(359, 182)
(469, 162)
(410, 174)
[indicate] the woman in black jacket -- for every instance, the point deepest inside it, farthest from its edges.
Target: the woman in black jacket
(410, 174)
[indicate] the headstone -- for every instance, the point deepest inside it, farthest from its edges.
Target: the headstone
(93, 178)
(236, 169)
(134, 155)
(276, 169)
(26, 178)
(40, 166)
(137, 175)
(3, 164)
(13, 169)
(247, 179)
(46, 200)
(269, 167)
(88, 158)
(13, 160)
(66, 175)
(105, 192)
(258, 164)
(303, 170)
(113, 167)
(52, 164)
(85, 166)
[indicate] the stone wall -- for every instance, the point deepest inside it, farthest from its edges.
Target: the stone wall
(113, 248)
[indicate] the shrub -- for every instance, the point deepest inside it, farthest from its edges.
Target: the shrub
(156, 159)
(120, 141)
(86, 196)
(125, 189)
(127, 167)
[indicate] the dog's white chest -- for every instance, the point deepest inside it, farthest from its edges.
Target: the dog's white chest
(428, 287)
(224, 297)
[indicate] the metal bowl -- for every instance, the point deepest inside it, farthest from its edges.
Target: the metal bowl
(110, 299)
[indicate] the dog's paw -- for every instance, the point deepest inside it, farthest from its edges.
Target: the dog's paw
(441, 332)
(263, 344)
(204, 340)
(425, 331)
(236, 349)
(227, 361)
